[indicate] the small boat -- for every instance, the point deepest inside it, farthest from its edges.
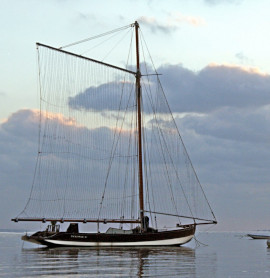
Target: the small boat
(110, 152)
(268, 243)
(258, 236)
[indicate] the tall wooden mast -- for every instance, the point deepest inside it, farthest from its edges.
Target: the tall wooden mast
(138, 91)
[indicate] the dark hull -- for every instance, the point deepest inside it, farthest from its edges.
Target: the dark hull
(258, 236)
(163, 238)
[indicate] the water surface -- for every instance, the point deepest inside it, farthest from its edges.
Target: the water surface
(225, 255)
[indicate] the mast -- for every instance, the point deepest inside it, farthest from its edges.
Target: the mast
(138, 91)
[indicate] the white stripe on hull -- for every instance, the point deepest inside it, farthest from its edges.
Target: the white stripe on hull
(165, 242)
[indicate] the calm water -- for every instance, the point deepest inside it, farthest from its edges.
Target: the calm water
(226, 255)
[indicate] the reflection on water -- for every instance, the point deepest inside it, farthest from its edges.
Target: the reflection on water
(226, 255)
(101, 262)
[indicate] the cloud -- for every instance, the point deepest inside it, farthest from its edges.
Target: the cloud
(230, 152)
(235, 124)
(176, 17)
(112, 92)
(65, 152)
(223, 113)
(18, 149)
(155, 26)
(23, 124)
(214, 87)
(19, 144)
(172, 23)
(216, 2)
(243, 59)
(234, 100)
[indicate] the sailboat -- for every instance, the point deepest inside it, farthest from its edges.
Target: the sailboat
(110, 153)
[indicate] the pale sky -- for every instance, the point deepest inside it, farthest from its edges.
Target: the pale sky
(220, 44)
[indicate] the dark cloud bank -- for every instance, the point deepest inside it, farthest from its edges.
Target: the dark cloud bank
(223, 114)
(213, 88)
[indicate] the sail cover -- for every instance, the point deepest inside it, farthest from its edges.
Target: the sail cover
(87, 164)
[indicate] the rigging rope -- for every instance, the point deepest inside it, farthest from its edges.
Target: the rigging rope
(87, 161)
(97, 36)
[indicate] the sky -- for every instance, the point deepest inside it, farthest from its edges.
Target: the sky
(214, 59)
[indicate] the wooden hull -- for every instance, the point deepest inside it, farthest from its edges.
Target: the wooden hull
(258, 236)
(164, 238)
